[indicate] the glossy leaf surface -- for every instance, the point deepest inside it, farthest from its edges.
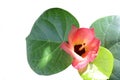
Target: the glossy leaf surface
(43, 43)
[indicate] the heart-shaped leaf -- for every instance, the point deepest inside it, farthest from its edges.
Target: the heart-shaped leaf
(102, 66)
(43, 52)
(107, 29)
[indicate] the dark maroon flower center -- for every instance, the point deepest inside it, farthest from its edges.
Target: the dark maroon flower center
(79, 49)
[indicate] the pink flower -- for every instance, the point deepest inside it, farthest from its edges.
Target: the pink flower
(82, 46)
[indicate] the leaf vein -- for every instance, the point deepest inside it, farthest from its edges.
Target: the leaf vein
(54, 27)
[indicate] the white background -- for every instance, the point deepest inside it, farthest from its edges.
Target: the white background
(16, 20)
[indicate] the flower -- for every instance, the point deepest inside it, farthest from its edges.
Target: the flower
(82, 46)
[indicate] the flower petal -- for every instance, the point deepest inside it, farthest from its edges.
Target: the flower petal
(68, 49)
(83, 35)
(72, 34)
(80, 64)
(93, 47)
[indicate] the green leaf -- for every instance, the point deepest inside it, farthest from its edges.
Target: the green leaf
(107, 29)
(43, 43)
(102, 66)
(115, 49)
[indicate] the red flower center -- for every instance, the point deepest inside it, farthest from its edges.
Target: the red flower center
(79, 49)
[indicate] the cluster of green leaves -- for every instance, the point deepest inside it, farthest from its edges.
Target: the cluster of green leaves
(51, 29)
(102, 66)
(107, 29)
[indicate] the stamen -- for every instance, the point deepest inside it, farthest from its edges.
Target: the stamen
(83, 46)
(83, 43)
(79, 49)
